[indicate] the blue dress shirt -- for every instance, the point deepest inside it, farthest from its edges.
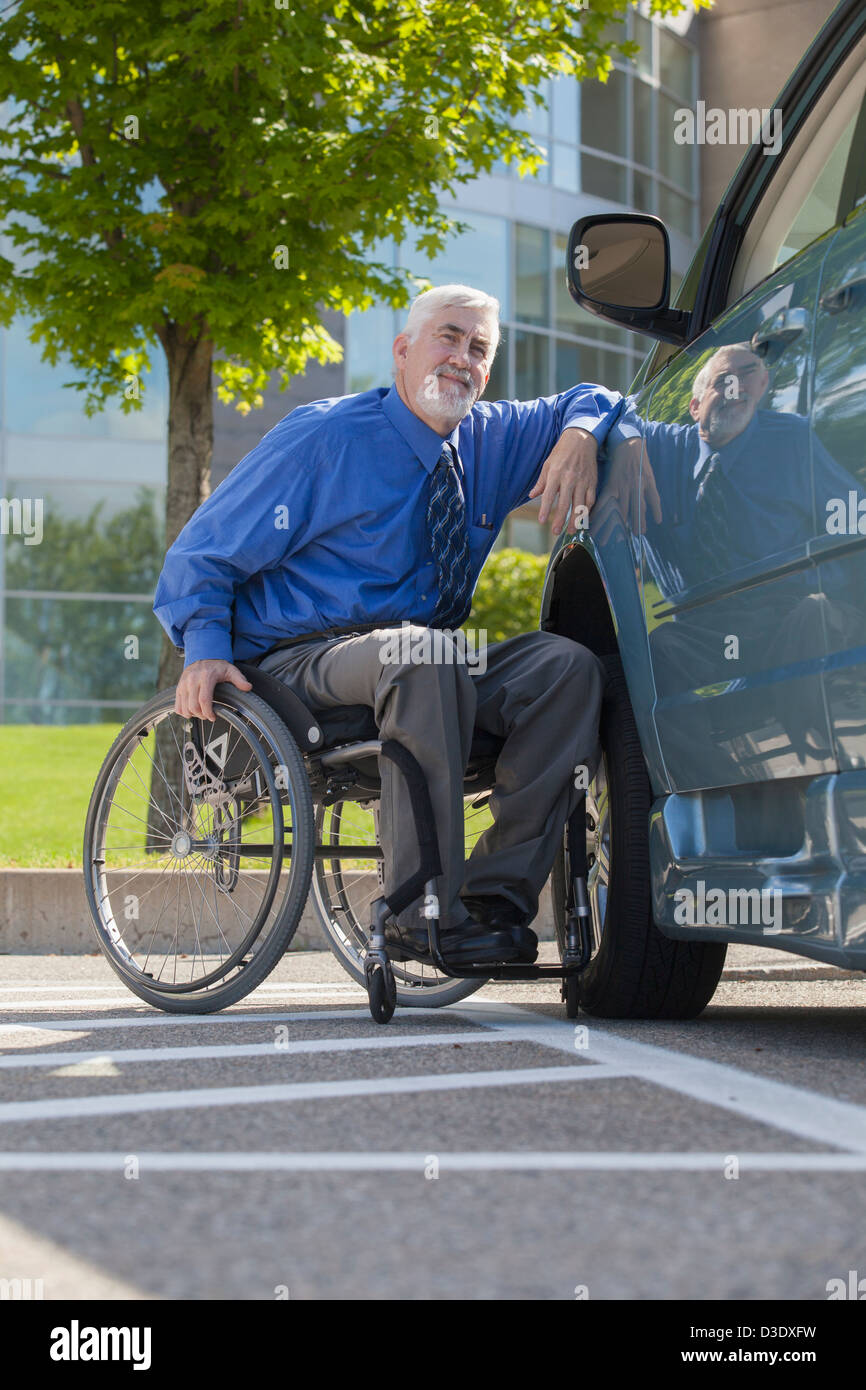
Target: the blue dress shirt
(324, 522)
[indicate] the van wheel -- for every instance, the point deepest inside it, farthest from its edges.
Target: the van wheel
(634, 971)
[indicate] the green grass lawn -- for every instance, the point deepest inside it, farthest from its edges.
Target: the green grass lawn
(47, 772)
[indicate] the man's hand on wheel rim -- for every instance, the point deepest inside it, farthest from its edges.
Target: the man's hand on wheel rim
(194, 694)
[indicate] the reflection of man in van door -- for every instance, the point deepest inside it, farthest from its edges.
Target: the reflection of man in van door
(726, 492)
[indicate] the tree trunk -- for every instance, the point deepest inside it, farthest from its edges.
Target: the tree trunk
(190, 447)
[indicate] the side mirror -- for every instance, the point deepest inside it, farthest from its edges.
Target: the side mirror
(619, 267)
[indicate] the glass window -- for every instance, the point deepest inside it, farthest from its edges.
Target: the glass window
(497, 386)
(610, 369)
(37, 402)
(91, 538)
(644, 192)
(477, 257)
(642, 33)
(820, 208)
(564, 305)
(44, 456)
(565, 117)
(532, 274)
(369, 358)
(675, 63)
(604, 178)
(536, 119)
(43, 712)
(530, 366)
(565, 171)
(676, 211)
(643, 123)
(566, 365)
(674, 161)
(70, 649)
(602, 114)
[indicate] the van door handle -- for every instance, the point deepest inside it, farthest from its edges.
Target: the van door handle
(779, 330)
(839, 298)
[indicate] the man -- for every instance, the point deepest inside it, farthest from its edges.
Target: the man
(356, 514)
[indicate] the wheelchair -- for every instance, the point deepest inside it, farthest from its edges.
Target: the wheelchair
(204, 841)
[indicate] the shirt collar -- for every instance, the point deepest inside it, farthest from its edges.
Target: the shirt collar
(424, 442)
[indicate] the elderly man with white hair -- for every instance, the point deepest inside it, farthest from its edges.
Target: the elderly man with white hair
(364, 516)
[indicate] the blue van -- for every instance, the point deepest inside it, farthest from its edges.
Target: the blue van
(721, 575)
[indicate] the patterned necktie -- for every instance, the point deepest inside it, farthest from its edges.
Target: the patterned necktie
(714, 535)
(449, 538)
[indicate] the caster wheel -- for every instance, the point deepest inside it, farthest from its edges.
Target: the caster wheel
(571, 995)
(382, 992)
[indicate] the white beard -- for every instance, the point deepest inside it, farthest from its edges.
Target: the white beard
(447, 403)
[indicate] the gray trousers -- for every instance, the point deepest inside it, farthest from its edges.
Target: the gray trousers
(539, 691)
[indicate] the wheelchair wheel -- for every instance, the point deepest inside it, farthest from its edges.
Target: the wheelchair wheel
(198, 850)
(343, 889)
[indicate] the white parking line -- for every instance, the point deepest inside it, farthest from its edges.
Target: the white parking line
(55, 989)
(806, 1113)
(308, 987)
(791, 1109)
(153, 1020)
(199, 1052)
(116, 1001)
(399, 1162)
(80, 1107)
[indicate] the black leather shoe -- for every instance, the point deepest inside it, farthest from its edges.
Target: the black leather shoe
(497, 913)
(464, 944)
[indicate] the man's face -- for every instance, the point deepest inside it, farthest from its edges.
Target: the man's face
(738, 382)
(442, 372)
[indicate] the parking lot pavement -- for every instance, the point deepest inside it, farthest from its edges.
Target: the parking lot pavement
(290, 1147)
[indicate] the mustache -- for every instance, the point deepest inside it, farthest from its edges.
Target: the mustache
(459, 372)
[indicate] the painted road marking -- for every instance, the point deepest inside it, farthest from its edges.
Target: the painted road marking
(792, 1109)
(151, 1020)
(267, 1049)
(808, 1114)
(386, 1161)
(81, 1107)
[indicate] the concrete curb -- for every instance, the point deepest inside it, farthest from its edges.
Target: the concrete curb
(45, 912)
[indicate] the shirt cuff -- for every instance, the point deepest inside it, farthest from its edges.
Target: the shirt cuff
(206, 644)
(598, 428)
(621, 432)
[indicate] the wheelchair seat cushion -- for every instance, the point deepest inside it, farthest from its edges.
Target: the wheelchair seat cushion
(342, 723)
(345, 723)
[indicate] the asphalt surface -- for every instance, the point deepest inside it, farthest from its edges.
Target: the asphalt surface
(291, 1147)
